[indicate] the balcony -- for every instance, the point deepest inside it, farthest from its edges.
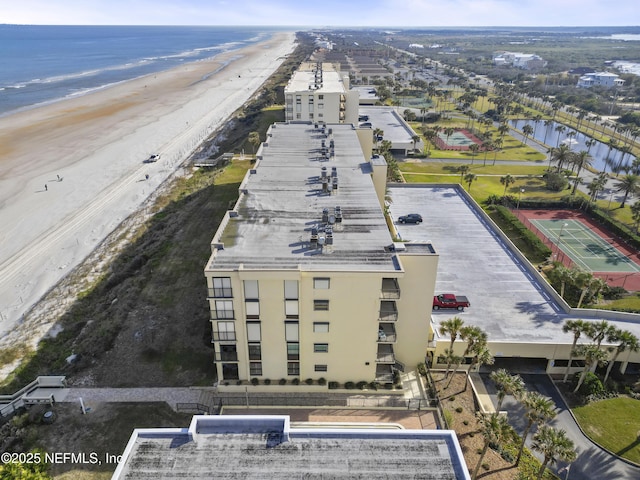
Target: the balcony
(227, 353)
(343, 107)
(386, 333)
(384, 373)
(224, 336)
(390, 288)
(343, 98)
(385, 354)
(388, 311)
(219, 293)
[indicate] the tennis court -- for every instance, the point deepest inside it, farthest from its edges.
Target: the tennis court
(587, 249)
(458, 140)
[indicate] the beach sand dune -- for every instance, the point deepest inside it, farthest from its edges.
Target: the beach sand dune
(72, 171)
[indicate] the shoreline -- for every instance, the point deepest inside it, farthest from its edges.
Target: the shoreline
(96, 144)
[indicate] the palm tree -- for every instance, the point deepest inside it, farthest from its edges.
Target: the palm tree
(628, 184)
(474, 336)
(582, 160)
(565, 275)
(590, 284)
(452, 328)
(577, 327)
(506, 384)
(539, 410)
(560, 129)
(482, 356)
(635, 215)
(474, 151)
(451, 359)
(526, 131)
(448, 132)
(553, 444)
(469, 178)
(506, 181)
(597, 185)
(598, 331)
(546, 123)
(593, 355)
(626, 341)
(463, 169)
(494, 428)
(497, 145)
(561, 154)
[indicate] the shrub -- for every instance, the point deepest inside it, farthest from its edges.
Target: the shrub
(254, 381)
(296, 381)
(333, 385)
(556, 182)
(459, 409)
(349, 385)
(322, 381)
(539, 249)
(282, 381)
(591, 385)
(465, 422)
(309, 381)
(422, 369)
(238, 382)
(373, 385)
(361, 385)
(267, 381)
(452, 398)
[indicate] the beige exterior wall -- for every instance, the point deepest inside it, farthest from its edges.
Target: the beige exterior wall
(353, 321)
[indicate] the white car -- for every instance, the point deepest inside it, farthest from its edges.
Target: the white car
(152, 158)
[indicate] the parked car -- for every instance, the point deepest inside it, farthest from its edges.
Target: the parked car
(411, 218)
(153, 158)
(449, 300)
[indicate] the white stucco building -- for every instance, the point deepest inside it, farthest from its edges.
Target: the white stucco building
(602, 79)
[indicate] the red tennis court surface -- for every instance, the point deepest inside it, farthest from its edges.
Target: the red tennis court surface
(628, 281)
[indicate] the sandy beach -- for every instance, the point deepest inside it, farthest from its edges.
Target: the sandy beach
(72, 171)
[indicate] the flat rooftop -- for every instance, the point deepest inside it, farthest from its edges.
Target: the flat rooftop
(283, 201)
(507, 301)
(321, 81)
(389, 121)
(246, 447)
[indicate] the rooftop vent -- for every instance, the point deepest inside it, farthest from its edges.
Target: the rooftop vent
(338, 214)
(324, 172)
(325, 215)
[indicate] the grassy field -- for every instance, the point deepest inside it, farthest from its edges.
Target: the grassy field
(613, 424)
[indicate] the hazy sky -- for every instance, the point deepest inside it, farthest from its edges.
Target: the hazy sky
(324, 12)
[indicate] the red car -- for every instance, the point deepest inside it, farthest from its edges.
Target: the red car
(449, 300)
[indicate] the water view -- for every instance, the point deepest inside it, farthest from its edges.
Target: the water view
(599, 151)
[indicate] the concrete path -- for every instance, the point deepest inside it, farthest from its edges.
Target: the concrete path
(170, 395)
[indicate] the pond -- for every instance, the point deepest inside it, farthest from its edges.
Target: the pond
(549, 136)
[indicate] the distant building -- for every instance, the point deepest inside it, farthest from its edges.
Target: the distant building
(304, 279)
(602, 79)
(317, 92)
(526, 61)
(268, 446)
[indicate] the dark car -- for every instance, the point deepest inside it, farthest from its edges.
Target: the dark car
(152, 159)
(411, 218)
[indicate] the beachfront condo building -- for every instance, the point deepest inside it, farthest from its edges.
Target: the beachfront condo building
(317, 92)
(305, 279)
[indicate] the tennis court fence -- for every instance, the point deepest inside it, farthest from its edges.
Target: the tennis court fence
(556, 253)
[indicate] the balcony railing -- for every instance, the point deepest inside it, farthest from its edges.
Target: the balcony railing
(224, 336)
(390, 288)
(388, 311)
(386, 333)
(226, 356)
(220, 293)
(384, 374)
(385, 354)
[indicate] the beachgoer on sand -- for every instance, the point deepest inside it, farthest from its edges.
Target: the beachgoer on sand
(45, 187)
(146, 177)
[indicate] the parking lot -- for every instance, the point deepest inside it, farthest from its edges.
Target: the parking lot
(506, 300)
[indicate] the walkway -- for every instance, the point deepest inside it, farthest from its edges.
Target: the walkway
(170, 395)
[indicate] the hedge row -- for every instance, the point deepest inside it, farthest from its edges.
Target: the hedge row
(527, 235)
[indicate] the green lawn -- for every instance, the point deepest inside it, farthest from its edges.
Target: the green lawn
(613, 424)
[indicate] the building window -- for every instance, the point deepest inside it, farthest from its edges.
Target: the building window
(293, 351)
(298, 116)
(255, 351)
(291, 332)
(222, 287)
(230, 371)
(320, 368)
(291, 290)
(320, 106)
(320, 115)
(293, 368)
(320, 327)
(228, 353)
(320, 97)
(320, 347)
(253, 331)
(252, 308)
(291, 308)
(226, 331)
(255, 368)
(321, 283)
(321, 305)
(251, 290)
(311, 116)
(298, 98)
(224, 309)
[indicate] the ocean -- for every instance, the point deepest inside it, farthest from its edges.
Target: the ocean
(42, 64)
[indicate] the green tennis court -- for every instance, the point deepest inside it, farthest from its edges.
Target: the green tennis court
(586, 248)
